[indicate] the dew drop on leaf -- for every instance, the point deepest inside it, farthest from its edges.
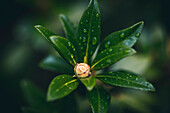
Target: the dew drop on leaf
(80, 37)
(137, 35)
(122, 35)
(69, 43)
(97, 15)
(94, 41)
(84, 39)
(84, 30)
(110, 50)
(107, 44)
(108, 60)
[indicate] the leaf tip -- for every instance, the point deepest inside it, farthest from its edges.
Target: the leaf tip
(37, 26)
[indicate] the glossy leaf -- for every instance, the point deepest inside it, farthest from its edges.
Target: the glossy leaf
(46, 33)
(69, 28)
(110, 56)
(57, 64)
(89, 31)
(65, 48)
(61, 86)
(99, 100)
(127, 37)
(89, 82)
(125, 79)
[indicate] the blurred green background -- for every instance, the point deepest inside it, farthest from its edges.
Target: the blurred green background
(22, 48)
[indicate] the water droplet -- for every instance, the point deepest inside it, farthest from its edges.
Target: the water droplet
(81, 48)
(107, 44)
(110, 72)
(94, 41)
(84, 39)
(92, 30)
(80, 37)
(81, 22)
(84, 30)
(72, 46)
(79, 44)
(69, 43)
(108, 60)
(122, 35)
(110, 50)
(137, 35)
(97, 15)
(86, 20)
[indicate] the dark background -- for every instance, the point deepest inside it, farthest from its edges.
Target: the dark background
(22, 47)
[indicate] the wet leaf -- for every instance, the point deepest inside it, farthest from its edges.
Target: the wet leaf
(99, 100)
(61, 86)
(127, 37)
(89, 82)
(110, 56)
(57, 64)
(125, 79)
(65, 48)
(69, 28)
(46, 33)
(89, 32)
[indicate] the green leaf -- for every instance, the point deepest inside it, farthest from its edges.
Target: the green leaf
(99, 100)
(89, 32)
(127, 37)
(69, 28)
(89, 82)
(65, 48)
(57, 64)
(61, 86)
(46, 33)
(110, 56)
(126, 79)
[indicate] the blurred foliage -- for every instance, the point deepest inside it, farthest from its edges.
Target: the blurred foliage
(22, 49)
